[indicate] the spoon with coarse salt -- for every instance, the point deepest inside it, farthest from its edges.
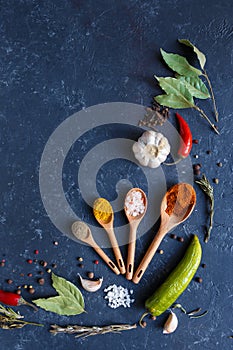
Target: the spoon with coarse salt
(135, 209)
(83, 232)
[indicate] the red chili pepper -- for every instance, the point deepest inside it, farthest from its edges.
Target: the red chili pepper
(13, 299)
(186, 136)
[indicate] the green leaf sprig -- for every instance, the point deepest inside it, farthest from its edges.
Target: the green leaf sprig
(69, 301)
(209, 191)
(181, 90)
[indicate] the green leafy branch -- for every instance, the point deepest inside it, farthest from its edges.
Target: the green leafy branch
(181, 90)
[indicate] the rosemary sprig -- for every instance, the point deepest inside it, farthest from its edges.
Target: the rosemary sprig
(9, 319)
(209, 191)
(86, 331)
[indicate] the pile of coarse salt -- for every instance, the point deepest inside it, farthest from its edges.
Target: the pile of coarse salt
(134, 203)
(118, 296)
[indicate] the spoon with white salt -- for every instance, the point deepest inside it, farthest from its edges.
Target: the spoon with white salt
(135, 209)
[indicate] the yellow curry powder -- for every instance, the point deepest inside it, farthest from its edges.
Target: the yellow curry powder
(102, 210)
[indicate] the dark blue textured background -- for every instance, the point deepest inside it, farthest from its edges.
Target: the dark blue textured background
(58, 57)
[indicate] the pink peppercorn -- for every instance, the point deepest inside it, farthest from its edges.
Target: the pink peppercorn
(36, 251)
(29, 261)
(96, 262)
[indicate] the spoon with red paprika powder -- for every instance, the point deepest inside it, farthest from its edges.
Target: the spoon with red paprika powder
(177, 205)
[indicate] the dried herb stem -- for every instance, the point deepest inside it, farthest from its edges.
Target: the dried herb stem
(212, 93)
(9, 319)
(86, 331)
(179, 306)
(202, 113)
(199, 316)
(209, 191)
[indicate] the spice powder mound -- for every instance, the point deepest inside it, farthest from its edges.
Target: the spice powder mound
(180, 200)
(102, 210)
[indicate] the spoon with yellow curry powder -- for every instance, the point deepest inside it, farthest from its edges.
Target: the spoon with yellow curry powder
(177, 205)
(83, 232)
(104, 215)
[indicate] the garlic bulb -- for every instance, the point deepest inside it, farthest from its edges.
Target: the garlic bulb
(90, 285)
(171, 324)
(151, 149)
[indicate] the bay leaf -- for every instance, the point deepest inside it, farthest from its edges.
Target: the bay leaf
(200, 55)
(69, 301)
(173, 86)
(179, 64)
(67, 289)
(172, 101)
(195, 86)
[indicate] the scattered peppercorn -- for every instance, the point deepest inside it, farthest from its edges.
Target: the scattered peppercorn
(9, 281)
(40, 281)
(36, 251)
(216, 181)
(81, 266)
(29, 261)
(80, 259)
(54, 266)
(219, 164)
(209, 151)
(35, 260)
(25, 286)
(29, 274)
(173, 236)
(90, 275)
(196, 169)
(49, 270)
(2, 264)
(40, 272)
(44, 263)
(143, 324)
(199, 279)
(18, 292)
(180, 239)
(31, 290)
(195, 141)
(55, 243)
(96, 262)
(196, 156)
(204, 266)
(160, 251)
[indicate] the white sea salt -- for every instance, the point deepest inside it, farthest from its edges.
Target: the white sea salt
(134, 203)
(118, 296)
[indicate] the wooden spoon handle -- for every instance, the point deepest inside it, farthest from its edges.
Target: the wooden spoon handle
(116, 249)
(108, 261)
(149, 254)
(131, 252)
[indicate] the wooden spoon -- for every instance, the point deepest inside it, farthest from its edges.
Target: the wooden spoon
(134, 221)
(81, 231)
(177, 205)
(108, 226)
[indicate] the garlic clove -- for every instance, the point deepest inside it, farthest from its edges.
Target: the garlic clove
(89, 285)
(171, 324)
